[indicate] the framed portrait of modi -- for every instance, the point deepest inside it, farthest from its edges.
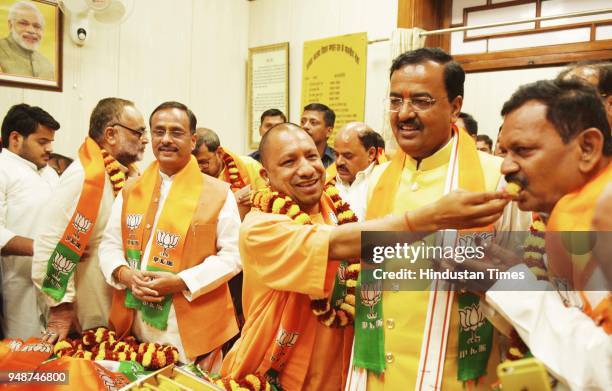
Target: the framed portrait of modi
(31, 44)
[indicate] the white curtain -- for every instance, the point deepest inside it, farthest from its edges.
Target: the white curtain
(402, 40)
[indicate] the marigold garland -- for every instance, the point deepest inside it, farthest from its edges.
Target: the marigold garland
(247, 383)
(113, 169)
(232, 174)
(534, 249)
(336, 315)
(102, 344)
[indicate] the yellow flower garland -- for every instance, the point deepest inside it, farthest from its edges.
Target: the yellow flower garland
(337, 315)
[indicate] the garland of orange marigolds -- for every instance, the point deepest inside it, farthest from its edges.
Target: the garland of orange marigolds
(232, 173)
(112, 167)
(102, 344)
(330, 314)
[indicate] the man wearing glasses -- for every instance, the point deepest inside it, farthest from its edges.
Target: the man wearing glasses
(417, 332)
(171, 246)
(65, 263)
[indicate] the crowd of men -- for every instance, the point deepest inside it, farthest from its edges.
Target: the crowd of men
(232, 259)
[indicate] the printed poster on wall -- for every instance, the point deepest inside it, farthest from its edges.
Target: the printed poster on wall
(334, 73)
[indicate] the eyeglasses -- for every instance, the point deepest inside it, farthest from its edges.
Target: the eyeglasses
(174, 133)
(395, 104)
(140, 132)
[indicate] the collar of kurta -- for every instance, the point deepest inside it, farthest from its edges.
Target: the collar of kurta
(18, 159)
(360, 176)
(438, 159)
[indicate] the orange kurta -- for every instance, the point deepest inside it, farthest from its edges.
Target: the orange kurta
(283, 263)
(574, 212)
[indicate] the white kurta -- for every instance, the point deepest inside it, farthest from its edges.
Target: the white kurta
(24, 191)
(86, 287)
(573, 348)
(356, 193)
(200, 279)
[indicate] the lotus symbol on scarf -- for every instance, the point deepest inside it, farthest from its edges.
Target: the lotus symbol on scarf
(471, 319)
(286, 339)
(133, 221)
(370, 296)
(167, 241)
(81, 224)
(62, 264)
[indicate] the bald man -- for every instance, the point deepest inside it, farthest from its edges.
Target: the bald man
(287, 261)
(358, 149)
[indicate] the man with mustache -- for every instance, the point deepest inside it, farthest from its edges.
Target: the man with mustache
(18, 51)
(171, 246)
(241, 172)
(358, 149)
(318, 121)
(290, 247)
(420, 343)
(65, 265)
(26, 184)
(558, 148)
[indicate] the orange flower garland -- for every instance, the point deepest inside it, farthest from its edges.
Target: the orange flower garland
(247, 383)
(535, 248)
(331, 315)
(232, 174)
(102, 344)
(112, 167)
(533, 256)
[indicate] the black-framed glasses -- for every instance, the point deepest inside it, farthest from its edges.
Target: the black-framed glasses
(394, 104)
(140, 132)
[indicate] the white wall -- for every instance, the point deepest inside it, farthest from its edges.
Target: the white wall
(486, 92)
(193, 51)
(274, 21)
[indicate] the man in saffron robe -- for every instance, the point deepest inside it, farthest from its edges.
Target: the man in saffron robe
(287, 263)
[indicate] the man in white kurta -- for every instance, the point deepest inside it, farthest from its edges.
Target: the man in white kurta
(358, 150)
(214, 271)
(87, 298)
(24, 189)
(199, 280)
(26, 182)
(94, 296)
